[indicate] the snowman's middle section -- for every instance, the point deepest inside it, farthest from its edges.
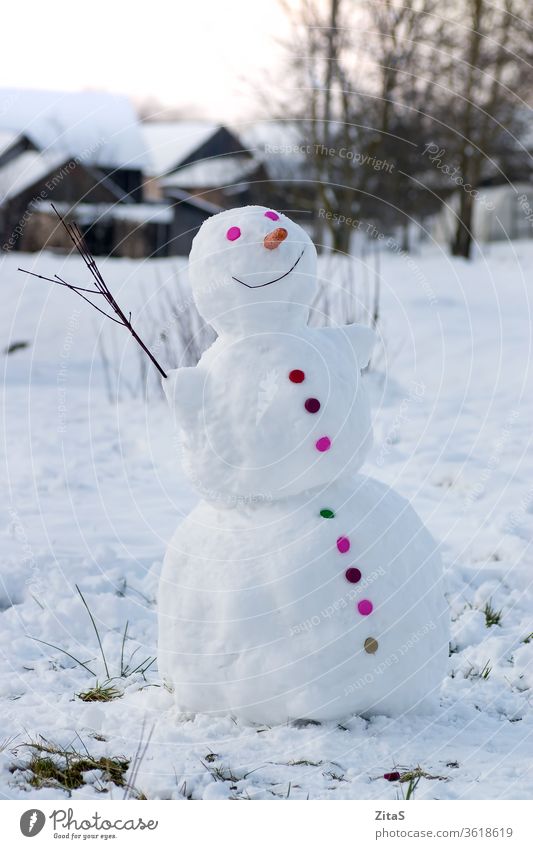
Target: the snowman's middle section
(280, 412)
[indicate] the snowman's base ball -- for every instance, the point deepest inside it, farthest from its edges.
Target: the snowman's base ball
(260, 615)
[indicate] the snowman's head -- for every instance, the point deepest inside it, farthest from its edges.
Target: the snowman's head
(252, 269)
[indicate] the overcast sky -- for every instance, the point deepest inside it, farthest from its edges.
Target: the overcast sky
(205, 54)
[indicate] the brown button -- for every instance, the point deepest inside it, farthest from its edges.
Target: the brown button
(371, 645)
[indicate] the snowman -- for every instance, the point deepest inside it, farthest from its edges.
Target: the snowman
(296, 588)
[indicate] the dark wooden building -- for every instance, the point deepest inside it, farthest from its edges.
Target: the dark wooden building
(136, 190)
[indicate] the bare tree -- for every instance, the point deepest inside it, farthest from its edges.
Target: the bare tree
(318, 57)
(363, 71)
(398, 38)
(388, 77)
(486, 78)
(100, 289)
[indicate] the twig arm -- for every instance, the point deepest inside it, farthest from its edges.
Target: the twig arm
(77, 239)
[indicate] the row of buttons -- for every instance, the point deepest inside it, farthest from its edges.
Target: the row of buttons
(312, 405)
(352, 574)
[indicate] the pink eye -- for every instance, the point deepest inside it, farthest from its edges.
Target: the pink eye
(272, 215)
(233, 233)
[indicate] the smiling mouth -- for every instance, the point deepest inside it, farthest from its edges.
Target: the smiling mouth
(261, 285)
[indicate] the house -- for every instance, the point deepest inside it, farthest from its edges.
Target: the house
(77, 150)
(173, 144)
(500, 213)
(32, 177)
(199, 168)
(32, 181)
(134, 230)
(99, 129)
(188, 215)
(502, 199)
(134, 189)
(227, 180)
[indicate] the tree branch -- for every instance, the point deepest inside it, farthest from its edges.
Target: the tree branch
(79, 243)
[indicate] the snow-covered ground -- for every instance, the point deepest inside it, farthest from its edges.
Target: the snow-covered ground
(92, 490)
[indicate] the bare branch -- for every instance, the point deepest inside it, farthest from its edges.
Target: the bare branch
(79, 243)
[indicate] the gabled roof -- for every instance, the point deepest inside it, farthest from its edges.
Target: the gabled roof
(35, 167)
(169, 143)
(283, 146)
(212, 173)
(98, 128)
(137, 213)
(26, 169)
(7, 139)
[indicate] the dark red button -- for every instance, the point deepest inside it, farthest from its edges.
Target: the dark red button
(312, 405)
(352, 575)
(296, 376)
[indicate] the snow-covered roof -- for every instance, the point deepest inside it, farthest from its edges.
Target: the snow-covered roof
(284, 146)
(171, 142)
(214, 172)
(97, 128)
(140, 213)
(25, 169)
(149, 213)
(7, 139)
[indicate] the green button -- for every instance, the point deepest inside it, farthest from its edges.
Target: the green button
(327, 514)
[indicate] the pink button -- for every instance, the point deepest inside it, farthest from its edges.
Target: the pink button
(323, 444)
(233, 233)
(365, 607)
(343, 544)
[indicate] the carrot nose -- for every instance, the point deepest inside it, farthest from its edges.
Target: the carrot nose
(274, 239)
